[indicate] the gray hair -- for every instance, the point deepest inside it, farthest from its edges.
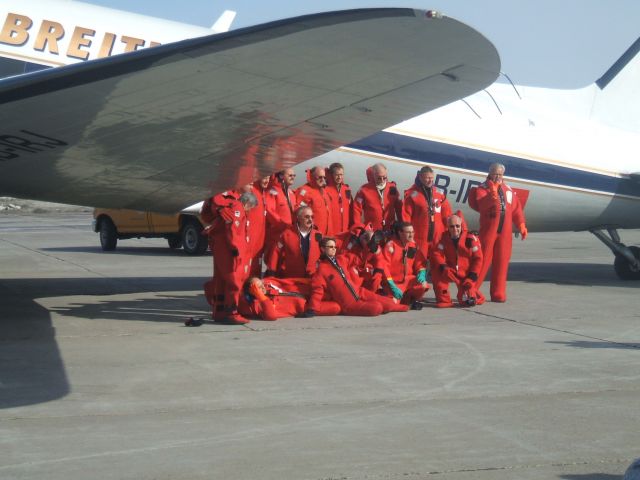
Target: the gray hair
(379, 166)
(496, 166)
(248, 198)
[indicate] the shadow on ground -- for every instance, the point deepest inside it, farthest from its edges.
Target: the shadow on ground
(145, 251)
(595, 344)
(31, 367)
(592, 274)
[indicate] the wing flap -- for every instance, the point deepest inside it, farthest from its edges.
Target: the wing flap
(163, 128)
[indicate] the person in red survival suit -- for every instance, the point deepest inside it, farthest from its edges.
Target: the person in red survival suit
(426, 207)
(272, 298)
(336, 280)
(457, 257)
(377, 202)
(257, 223)
(340, 195)
(405, 268)
(296, 252)
(499, 209)
(313, 194)
(231, 244)
(281, 204)
(361, 248)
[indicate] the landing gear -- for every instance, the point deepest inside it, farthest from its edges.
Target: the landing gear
(627, 261)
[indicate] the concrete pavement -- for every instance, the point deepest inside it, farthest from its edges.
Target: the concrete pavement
(99, 378)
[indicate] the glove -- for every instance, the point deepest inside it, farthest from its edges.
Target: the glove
(467, 283)
(422, 276)
(523, 231)
(306, 314)
(397, 293)
(255, 290)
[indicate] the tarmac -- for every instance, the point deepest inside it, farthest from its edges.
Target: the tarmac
(99, 377)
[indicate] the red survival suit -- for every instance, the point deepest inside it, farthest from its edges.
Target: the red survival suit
(340, 204)
(285, 297)
(459, 262)
(379, 208)
(280, 210)
(285, 259)
(230, 243)
(336, 280)
(499, 209)
(309, 195)
(367, 263)
(402, 264)
(257, 218)
(427, 209)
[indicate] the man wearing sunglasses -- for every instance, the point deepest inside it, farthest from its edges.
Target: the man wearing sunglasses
(313, 194)
(457, 258)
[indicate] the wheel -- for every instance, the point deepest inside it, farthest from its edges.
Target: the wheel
(624, 269)
(193, 242)
(174, 241)
(108, 235)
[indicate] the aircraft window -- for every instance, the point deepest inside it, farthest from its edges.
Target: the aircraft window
(10, 67)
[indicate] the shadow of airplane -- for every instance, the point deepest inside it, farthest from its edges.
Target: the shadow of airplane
(591, 274)
(596, 344)
(146, 251)
(31, 366)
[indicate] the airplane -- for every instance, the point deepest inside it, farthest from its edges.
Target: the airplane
(160, 128)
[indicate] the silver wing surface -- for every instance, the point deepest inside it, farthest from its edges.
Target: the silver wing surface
(162, 128)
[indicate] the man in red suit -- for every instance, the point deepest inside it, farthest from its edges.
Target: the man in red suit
(231, 246)
(457, 258)
(499, 209)
(272, 298)
(426, 207)
(257, 218)
(377, 202)
(405, 268)
(340, 196)
(336, 280)
(297, 250)
(281, 203)
(313, 194)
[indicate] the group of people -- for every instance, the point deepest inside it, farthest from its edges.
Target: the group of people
(319, 250)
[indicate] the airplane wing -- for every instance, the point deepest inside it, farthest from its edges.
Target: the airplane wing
(162, 128)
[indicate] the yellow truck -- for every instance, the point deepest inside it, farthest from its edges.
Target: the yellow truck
(183, 229)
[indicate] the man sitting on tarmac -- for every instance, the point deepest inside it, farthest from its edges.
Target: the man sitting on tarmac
(272, 298)
(456, 258)
(337, 281)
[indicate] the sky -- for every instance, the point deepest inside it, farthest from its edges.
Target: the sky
(554, 43)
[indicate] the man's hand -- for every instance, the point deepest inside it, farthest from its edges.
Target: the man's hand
(523, 231)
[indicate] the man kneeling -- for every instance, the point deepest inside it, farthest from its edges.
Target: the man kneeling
(457, 258)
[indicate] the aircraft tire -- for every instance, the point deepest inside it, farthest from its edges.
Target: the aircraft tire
(623, 269)
(108, 235)
(193, 241)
